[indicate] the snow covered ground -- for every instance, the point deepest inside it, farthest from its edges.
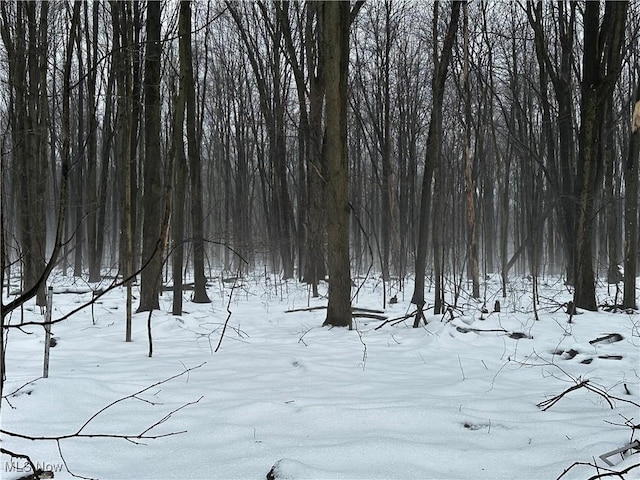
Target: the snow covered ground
(457, 398)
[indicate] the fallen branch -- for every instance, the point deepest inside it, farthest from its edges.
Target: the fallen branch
(229, 312)
(607, 472)
(309, 309)
(22, 456)
(369, 315)
(324, 307)
(396, 320)
(547, 404)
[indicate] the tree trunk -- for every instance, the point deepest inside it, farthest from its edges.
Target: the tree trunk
(472, 235)
(316, 163)
(601, 67)
(432, 161)
(92, 201)
(180, 173)
(336, 28)
(631, 209)
(195, 166)
(151, 275)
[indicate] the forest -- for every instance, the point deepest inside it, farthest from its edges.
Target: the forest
(480, 137)
(444, 149)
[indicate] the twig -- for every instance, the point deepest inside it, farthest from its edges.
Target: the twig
(396, 320)
(20, 455)
(301, 339)
(149, 334)
(546, 404)
(369, 315)
(168, 415)
(607, 472)
(229, 312)
(309, 309)
(130, 437)
(461, 369)
(64, 462)
(364, 352)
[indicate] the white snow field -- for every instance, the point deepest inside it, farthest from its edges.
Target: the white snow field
(455, 399)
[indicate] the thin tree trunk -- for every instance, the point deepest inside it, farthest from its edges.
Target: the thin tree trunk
(472, 239)
(195, 166)
(432, 161)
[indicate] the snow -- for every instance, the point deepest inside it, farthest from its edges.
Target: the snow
(453, 399)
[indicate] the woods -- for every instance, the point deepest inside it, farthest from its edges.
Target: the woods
(397, 163)
(446, 141)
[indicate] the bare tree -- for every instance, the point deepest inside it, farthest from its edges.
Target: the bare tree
(270, 84)
(195, 167)
(336, 40)
(151, 277)
(62, 201)
(631, 206)
(432, 166)
(24, 35)
(601, 65)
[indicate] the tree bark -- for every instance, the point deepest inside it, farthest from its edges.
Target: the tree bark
(601, 67)
(631, 208)
(336, 28)
(151, 275)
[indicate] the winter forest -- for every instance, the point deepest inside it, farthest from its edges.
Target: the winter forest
(389, 166)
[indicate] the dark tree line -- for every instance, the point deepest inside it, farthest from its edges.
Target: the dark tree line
(445, 140)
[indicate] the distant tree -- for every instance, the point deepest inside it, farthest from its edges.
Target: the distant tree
(181, 169)
(472, 234)
(316, 162)
(95, 193)
(62, 202)
(271, 85)
(193, 147)
(24, 33)
(558, 65)
(441, 60)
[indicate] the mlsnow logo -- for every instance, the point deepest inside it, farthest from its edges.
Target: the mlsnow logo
(24, 467)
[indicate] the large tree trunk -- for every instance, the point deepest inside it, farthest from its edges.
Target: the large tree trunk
(601, 67)
(336, 28)
(151, 275)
